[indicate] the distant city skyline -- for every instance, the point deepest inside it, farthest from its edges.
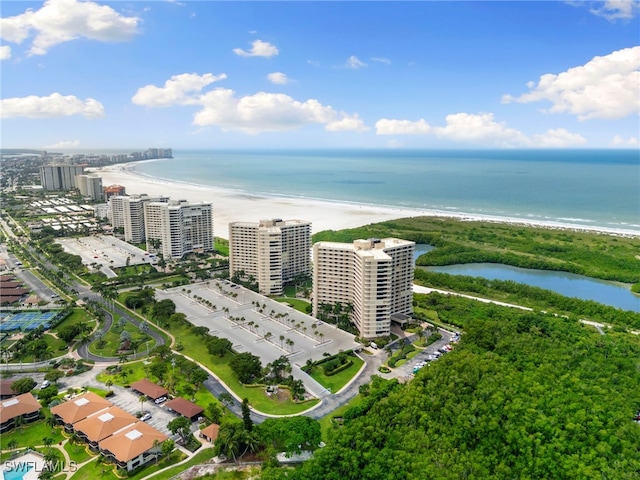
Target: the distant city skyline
(85, 75)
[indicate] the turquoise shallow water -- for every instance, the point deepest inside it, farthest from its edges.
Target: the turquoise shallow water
(597, 188)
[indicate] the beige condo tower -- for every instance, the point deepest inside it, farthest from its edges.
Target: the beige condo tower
(273, 252)
(374, 277)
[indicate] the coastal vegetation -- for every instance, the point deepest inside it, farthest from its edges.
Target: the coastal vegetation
(596, 255)
(523, 395)
(525, 295)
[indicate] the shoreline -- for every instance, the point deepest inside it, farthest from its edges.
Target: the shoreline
(233, 205)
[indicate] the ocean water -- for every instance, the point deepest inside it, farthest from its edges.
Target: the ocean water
(596, 188)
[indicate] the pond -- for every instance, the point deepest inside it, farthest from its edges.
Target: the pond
(568, 284)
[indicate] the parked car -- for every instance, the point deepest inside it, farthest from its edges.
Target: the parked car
(45, 384)
(160, 400)
(145, 417)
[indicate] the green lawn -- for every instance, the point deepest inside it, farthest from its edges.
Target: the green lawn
(79, 452)
(135, 369)
(78, 315)
(105, 471)
(340, 379)
(298, 304)
(203, 455)
(98, 391)
(94, 470)
(57, 346)
(31, 435)
(175, 457)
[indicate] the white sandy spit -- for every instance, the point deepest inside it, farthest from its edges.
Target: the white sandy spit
(235, 206)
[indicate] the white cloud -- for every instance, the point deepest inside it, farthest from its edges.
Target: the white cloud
(5, 52)
(348, 123)
(178, 90)
(278, 78)
(55, 105)
(258, 49)
(313, 63)
(478, 128)
(557, 138)
(605, 87)
(384, 60)
(619, 141)
(481, 129)
(261, 112)
(616, 9)
(59, 21)
(64, 144)
(354, 63)
(386, 126)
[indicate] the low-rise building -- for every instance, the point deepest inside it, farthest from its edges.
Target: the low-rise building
(79, 408)
(100, 425)
(133, 446)
(24, 406)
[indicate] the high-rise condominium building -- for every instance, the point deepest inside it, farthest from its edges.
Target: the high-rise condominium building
(89, 186)
(273, 252)
(178, 227)
(128, 212)
(373, 277)
(59, 177)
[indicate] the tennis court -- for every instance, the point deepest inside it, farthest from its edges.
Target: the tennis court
(27, 321)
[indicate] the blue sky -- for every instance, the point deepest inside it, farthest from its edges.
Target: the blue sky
(200, 74)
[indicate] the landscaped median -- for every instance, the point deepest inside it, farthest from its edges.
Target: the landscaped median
(336, 371)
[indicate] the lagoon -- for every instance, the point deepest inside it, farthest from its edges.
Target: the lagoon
(568, 284)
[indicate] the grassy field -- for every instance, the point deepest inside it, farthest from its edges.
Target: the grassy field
(31, 435)
(78, 452)
(298, 304)
(79, 315)
(340, 379)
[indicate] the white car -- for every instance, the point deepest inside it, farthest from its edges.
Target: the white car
(160, 400)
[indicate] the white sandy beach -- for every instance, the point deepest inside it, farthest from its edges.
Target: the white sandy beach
(233, 206)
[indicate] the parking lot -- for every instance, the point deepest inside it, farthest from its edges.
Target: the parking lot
(127, 400)
(407, 369)
(105, 250)
(296, 335)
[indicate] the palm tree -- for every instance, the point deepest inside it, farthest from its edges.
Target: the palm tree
(12, 444)
(281, 339)
(142, 399)
(51, 421)
(18, 422)
(109, 384)
(47, 441)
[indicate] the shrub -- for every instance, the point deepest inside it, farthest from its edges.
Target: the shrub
(340, 368)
